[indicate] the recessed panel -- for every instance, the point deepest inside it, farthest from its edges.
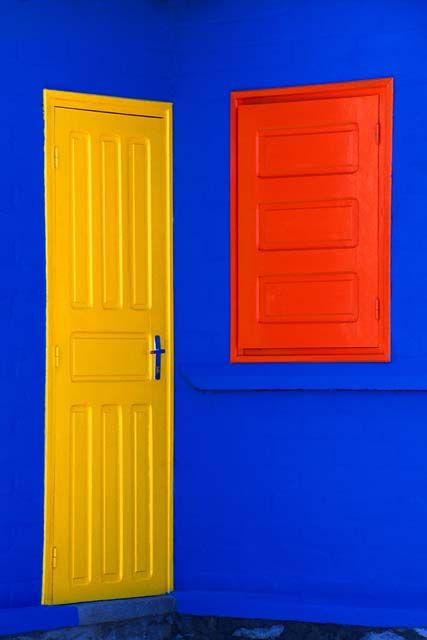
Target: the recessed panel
(140, 223)
(327, 297)
(117, 357)
(142, 449)
(81, 494)
(112, 224)
(81, 221)
(112, 492)
(308, 151)
(308, 225)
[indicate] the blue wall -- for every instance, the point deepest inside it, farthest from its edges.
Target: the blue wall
(112, 47)
(304, 503)
(299, 504)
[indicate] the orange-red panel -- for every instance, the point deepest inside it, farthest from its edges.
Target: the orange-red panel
(310, 194)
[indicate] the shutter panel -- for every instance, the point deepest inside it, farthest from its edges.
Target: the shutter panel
(307, 204)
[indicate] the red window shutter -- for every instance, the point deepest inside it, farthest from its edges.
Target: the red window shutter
(310, 223)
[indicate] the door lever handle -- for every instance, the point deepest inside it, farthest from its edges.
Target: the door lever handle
(158, 352)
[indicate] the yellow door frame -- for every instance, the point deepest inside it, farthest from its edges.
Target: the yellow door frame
(123, 106)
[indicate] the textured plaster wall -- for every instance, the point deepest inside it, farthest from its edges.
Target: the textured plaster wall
(298, 504)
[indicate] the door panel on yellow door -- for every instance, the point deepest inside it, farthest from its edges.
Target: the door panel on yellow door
(142, 533)
(112, 223)
(140, 223)
(108, 474)
(81, 471)
(81, 221)
(110, 356)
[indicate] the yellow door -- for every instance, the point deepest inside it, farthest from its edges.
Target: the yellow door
(109, 348)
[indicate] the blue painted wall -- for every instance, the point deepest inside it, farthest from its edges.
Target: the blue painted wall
(302, 504)
(314, 500)
(103, 46)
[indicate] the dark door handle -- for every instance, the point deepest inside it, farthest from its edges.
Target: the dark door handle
(158, 352)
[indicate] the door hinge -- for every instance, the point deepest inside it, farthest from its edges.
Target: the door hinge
(54, 557)
(57, 356)
(377, 308)
(378, 133)
(55, 157)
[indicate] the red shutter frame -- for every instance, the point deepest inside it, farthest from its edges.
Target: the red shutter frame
(383, 88)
